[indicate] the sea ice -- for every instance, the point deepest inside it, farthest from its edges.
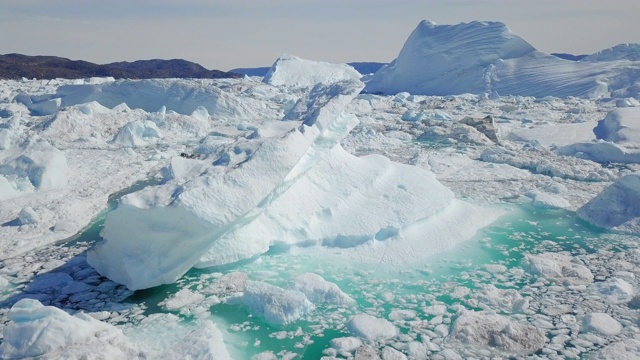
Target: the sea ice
(278, 306)
(346, 344)
(318, 290)
(558, 267)
(616, 207)
(602, 324)
(35, 330)
(492, 330)
(371, 328)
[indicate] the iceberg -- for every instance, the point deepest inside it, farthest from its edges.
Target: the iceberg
(293, 71)
(296, 188)
(487, 57)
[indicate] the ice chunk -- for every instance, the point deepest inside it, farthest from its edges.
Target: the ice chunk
(505, 300)
(601, 324)
(35, 330)
(133, 134)
(492, 330)
(615, 290)
(7, 190)
(181, 299)
(276, 305)
(617, 207)
(620, 126)
(346, 344)
(28, 216)
(559, 267)
(389, 353)
(318, 290)
(6, 138)
(371, 328)
(206, 342)
(546, 200)
(291, 70)
(44, 165)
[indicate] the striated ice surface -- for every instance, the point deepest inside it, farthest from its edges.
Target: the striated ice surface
(486, 57)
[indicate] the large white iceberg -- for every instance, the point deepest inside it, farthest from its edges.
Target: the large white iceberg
(291, 70)
(486, 57)
(287, 185)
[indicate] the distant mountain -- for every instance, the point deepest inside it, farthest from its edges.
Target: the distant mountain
(17, 66)
(361, 67)
(569, 56)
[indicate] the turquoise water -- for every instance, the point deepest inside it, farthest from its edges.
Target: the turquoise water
(379, 290)
(447, 279)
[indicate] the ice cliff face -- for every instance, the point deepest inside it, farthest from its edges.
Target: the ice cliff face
(486, 57)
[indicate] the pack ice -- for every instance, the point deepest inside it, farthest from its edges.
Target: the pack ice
(486, 57)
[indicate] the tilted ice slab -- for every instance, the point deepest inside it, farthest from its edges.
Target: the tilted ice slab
(486, 57)
(293, 188)
(291, 70)
(617, 207)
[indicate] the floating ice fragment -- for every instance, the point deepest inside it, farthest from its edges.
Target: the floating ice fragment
(601, 324)
(492, 330)
(346, 344)
(28, 216)
(36, 330)
(276, 305)
(318, 290)
(371, 328)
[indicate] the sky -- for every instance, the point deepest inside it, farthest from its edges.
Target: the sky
(226, 34)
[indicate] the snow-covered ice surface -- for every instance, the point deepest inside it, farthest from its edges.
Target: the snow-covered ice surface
(486, 57)
(306, 220)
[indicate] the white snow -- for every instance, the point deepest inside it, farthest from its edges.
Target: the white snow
(371, 328)
(276, 305)
(293, 71)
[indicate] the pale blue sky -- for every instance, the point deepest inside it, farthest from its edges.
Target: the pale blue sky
(224, 34)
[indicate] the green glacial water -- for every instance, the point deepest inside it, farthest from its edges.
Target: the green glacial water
(431, 290)
(446, 279)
